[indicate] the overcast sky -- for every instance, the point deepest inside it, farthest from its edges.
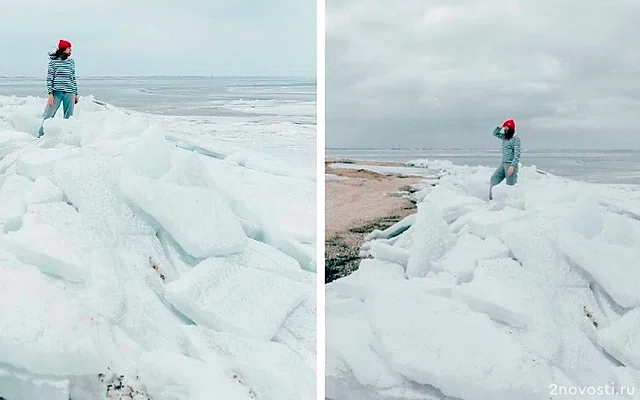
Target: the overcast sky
(162, 37)
(443, 73)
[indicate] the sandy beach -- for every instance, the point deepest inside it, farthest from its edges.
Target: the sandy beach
(357, 202)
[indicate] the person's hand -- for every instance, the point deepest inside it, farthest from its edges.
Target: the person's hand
(510, 170)
(77, 99)
(50, 100)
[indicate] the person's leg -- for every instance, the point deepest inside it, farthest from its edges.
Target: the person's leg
(50, 110)
(497, 177)
(68, 102)
(513, 178)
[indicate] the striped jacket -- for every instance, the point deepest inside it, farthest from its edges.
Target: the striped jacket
(510, 147)
(61, 76)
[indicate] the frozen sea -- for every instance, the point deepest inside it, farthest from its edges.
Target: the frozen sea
(533, 295)
(597, 166)
(250, 97)
(161, 243)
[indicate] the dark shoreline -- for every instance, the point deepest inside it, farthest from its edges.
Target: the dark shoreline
(342, 250)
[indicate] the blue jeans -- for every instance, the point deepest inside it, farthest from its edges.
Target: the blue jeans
(500, 174)
(68, 100)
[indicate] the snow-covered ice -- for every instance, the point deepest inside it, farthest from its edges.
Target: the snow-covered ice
(350, 340)
(223, 293)
(197, 218)
(44, 191)
(17, 385)
(608, 264)
(458, 345)
(266, 367)
(45, 247)
(299, 328)
(44, 330)
(151, 155)
(176, 376)
(474, 299)
(431, 238)
(35, 163)
(155, 257)
(622, 339)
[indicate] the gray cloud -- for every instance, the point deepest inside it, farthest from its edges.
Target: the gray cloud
(443, 73)
(139, 37)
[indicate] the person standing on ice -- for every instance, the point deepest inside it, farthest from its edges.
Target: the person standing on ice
(61, 83)
(508, 169)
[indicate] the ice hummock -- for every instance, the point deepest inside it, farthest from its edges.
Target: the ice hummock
(18, 385)
(45, 331)
(621, 339)
(223, 293)
(197, 218)
(172, 375)
(266, 367)
(471, 299)
(108, 215)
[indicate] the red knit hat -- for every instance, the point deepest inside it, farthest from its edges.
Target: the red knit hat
(509, 124)
(63, 44)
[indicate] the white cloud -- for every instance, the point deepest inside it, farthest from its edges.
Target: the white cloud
(416, 73)
(162, 37)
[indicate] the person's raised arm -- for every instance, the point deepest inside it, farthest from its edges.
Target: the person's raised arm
(499, 133)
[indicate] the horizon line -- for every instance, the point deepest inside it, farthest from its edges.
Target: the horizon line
(630, 150)
(175, 76)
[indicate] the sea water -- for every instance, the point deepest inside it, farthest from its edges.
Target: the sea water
(250, 97)
(601, 166)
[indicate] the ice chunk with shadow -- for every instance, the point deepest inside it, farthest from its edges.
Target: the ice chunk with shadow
(69, 341)
(181, 261)
(486, 223)
(44, 191)
(91, 185)
(349, 339)
(299, 328)
(144, 255)
(585, 217)
(168, 375)
(148, 321)
(611, 266)
(534, 243)
(150, 156)
(505, 291)
(370, 273)
(258, 198)
(41, 162)
(20, 385)
(196, 218)
(431, 239)
(387, 253)
(265, 163)
(224, 294)
(266, 257)
(97, 259)
(61, 130)
(462, 346)
(622, 339)
(271, 370)
(45, 247)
